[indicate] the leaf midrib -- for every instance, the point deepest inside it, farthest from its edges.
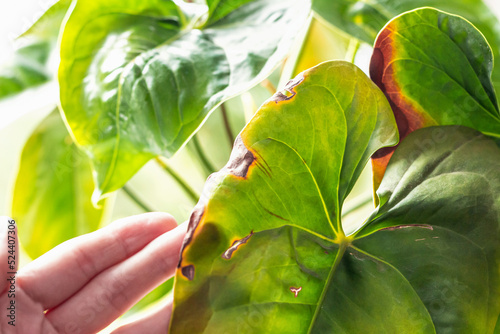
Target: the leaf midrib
(327, 214)
(338, 259)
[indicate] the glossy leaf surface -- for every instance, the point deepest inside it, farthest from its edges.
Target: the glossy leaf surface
(453, 64)
(364, 19)
(138, 78)
(31, 63)
(451, 188)
(51, 201)
(265, 252)
(287, 169)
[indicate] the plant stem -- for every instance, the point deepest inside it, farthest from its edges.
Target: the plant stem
(180, 181)
(227, 126)
(352, 50)
(249, 106)
(136, 199)
(202, 157)
(269, 86)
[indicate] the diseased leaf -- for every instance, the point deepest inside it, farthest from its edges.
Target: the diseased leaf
(435, 69)
(137, 79)
(286, 169)
(51, 201)
(30, 65)
(364, 19)
(265, 250)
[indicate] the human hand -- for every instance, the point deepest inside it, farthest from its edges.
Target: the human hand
(84, 284)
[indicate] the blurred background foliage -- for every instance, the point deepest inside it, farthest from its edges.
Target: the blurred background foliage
(45, 180)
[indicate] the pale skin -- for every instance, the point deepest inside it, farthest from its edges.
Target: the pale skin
(84, 284)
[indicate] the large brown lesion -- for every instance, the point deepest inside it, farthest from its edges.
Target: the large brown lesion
(194, 221)
(382, 55)
(238, 165)
(240, 161)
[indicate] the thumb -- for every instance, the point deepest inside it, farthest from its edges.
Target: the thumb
(9, 258)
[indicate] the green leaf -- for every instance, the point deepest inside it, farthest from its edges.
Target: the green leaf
(137, 80)
(453, 64)
(31, 63)
(364, 19)
(451, 189)
(51, 200)
(292, 165)
(265, 250)
(217, 9)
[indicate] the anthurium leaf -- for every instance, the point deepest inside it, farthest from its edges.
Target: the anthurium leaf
(420, 44)
(137, 80)
(427, 261)
(447, 189)
(364, 19)
(51, 200)
(30, 65)
(279, 199)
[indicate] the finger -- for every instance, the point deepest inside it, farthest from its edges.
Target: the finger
(60, 273)
(155, 322)
(114, 291)
(9, 258)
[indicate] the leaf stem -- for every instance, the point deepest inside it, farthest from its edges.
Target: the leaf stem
(227, 125)
(180, 181)
(201, 156)
(338, 259)
(267, 84)
(352, 50)
(136, 199)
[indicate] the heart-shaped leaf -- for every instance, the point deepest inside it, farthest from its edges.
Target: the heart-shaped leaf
(138, 78)
(51, 201)
(30, 65)
(289, 173)
(435, 69)
(450, 187)
(266, 253)
(364, 19)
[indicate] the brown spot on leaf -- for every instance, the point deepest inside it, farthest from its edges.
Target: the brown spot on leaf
(296, 291)
(239, 163)
(188, 272)
(288, 93)
(194, 220)
(229, 253)
(240, 160)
